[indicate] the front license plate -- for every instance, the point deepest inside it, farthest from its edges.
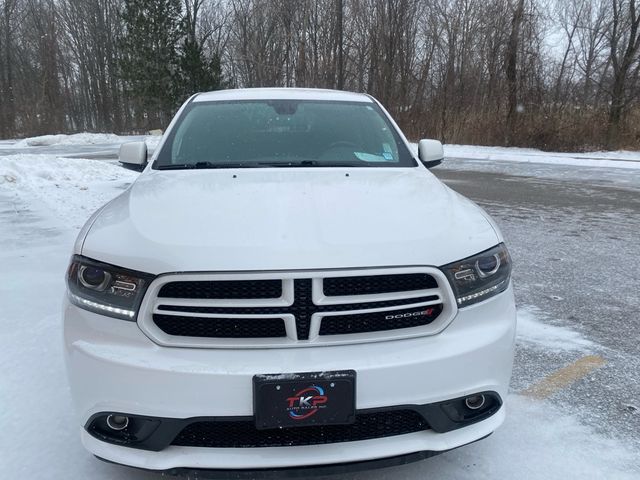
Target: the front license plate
(304, 399)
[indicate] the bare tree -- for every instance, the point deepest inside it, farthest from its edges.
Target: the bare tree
(624, 45)
(511, 61)
(472, 71)
(8, 26)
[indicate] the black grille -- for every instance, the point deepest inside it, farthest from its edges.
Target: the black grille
(379, 321)
(243, 434)
(233, 289)
(220, 327)
(302, 309)
(372, 284)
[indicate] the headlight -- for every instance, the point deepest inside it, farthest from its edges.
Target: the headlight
(106, 289)
(482, 276)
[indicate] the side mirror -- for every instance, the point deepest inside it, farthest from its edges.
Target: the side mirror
(133, 155)
(430, 153)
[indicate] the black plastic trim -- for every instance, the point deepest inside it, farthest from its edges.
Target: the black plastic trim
(133, 166)
(441, 417)
(432, 163)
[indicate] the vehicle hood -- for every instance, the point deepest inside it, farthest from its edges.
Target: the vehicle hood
(286, 218)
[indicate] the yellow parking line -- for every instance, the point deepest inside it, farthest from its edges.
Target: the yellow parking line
(564, 377)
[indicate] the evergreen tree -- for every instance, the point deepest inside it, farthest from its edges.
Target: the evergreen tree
(150, 58)
(197, 73)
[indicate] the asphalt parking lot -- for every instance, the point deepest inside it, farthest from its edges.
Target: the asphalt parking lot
(575, 242)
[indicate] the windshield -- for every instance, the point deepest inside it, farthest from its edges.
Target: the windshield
(282, 133)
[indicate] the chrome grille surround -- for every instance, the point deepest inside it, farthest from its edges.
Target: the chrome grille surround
(319, 307)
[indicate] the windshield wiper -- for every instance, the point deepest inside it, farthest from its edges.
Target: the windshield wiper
(314, 163)
(302, 163)
(205, 165)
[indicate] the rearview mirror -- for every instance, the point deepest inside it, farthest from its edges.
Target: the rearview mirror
(133, 155)
(430, 152)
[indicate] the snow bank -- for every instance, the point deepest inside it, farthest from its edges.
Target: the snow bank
(72, 188)
(80, 139)
(152, 141)
(618, 159)
(75, 139)
(534, 328)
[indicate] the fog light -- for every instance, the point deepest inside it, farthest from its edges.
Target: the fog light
(117, 422)
(474, 402)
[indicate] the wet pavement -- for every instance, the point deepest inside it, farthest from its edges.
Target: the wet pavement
(574, 236)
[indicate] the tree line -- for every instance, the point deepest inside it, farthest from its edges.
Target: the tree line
(554, 74)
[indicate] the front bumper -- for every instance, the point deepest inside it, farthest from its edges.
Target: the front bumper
(113, 366)
(297, 472)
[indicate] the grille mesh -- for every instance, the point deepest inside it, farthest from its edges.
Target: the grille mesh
(243, 434)
(372, 284)
(220, 327)
(233, 289)
(378, 321)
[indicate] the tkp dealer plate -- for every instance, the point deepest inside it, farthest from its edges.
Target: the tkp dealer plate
(304, 399)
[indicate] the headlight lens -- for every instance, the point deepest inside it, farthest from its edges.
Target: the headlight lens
(106, 289)
(482, 276)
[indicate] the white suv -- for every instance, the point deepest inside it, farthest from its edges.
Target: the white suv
(286, 286)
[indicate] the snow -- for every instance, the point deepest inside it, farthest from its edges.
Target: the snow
(75, 139)
(152, 141)
(44, 201)
(536, 329)
(71, 188)
(617, 159)
(80, 139)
